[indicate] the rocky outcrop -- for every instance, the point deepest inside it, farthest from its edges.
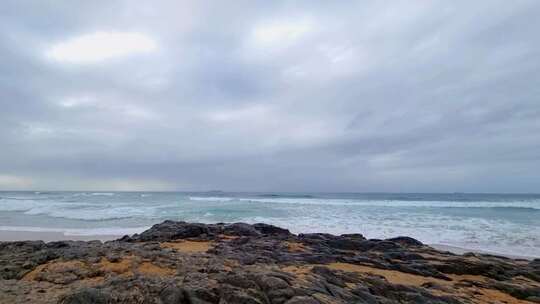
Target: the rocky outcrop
(180, 262)
(171, 230)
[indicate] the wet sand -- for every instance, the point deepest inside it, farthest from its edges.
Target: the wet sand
(48, 236)
(460, 250)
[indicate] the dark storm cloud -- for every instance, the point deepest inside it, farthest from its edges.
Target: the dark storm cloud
(303, 96)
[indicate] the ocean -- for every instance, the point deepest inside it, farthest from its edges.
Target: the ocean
(499, 223)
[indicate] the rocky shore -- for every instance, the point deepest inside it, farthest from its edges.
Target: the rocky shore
(191, 263)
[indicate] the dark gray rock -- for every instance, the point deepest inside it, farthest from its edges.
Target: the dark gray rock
(231, 295)
(271, 230)
(385, 245)
(364, 295)
(329, 275)
(356, 236)
(302, 300)
(240, 229)
(238, 280)
(86, 296)
(405, 240)
(276, 288)
(171, 230)
(173, 295)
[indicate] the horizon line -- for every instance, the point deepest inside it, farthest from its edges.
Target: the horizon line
(284, 192)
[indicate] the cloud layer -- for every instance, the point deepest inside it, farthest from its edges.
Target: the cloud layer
(418, 96)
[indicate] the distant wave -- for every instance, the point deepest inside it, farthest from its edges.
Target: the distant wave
(277, 199)
(516, 208)
(533, 205)
(210, 198)
(13, 204)
(273, 195)
(93, 194)
(24, 198)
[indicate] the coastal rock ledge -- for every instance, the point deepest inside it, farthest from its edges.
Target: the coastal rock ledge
(193, 263)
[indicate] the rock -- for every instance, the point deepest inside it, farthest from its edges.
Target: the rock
(277, 289)
(405, 240)
(364, 295)
(86, 296)
(171, 230)
(173, 295)
(403, 255)
(518, 291)
(314, 237)
(271, 230)
(343, 242)
(113, 258)
(385, 246)
(268, 282)
(346, 244)
(202, 295)
(236, 296)
(59, 244)
(238, 280)
(302, 300)
(240, 229)
(329, 275)
(356, 236)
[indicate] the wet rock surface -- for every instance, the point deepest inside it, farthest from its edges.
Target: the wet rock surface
(193, 263)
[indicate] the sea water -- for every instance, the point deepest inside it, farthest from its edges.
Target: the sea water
(498, 223)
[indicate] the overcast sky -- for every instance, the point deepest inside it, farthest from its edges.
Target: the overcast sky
(402, 96)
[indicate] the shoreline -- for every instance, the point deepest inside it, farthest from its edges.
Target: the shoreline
(52, 236)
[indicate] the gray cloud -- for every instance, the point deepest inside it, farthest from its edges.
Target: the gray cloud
(274, 96)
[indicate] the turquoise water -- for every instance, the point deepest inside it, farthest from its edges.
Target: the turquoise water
(508, 224)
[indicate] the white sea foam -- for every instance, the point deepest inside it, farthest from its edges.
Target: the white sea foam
(80, 194)
(78, 210)
(17, 204)
(94, 214)
(76, 194)
(21, 198)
